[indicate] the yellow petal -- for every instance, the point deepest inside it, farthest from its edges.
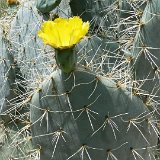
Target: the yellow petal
(63, 33)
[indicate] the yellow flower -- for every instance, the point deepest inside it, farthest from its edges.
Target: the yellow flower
(63, 33)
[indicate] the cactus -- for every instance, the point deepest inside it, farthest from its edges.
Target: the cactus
(99, 54)
(85, 116)
(91, 105)
(34, 59)
(80, 103)
(47, 6)
(15, 146)
(11, 82)
(94, 11)
(3, 6)
(146, 53)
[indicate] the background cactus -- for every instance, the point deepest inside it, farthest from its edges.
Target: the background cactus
(3, 6)
(108, 105)
(146, 53)
(11, 82)
(47, 6)
(15, 145)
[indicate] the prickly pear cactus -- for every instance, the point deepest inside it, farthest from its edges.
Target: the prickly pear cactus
(3, 6)
(146, 54)
(16, 144)
(27, 48)
(85, 116)
(98, 54)
(47, 6)
(99, 13)
(11, 82)
(94, 111)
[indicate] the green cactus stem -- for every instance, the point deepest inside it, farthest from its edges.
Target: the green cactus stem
(66, 59)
